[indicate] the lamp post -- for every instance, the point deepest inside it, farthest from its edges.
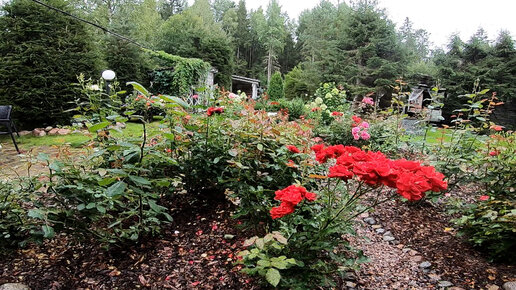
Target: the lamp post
(108, 75)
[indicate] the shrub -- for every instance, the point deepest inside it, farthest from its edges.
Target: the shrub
(314, 222)
(295, 85)
(490, 224)
(15, 226)
(241, 152)
(275, 90)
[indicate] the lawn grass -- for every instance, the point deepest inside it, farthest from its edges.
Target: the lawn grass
(132, 130)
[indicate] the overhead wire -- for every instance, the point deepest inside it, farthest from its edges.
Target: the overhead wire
(91, 23)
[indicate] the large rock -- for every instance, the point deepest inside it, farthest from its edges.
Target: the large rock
(47, 129)
(53, 131)
(64, 131)
(509, 285)
(39, 132)
(14, 286)
(23, 133)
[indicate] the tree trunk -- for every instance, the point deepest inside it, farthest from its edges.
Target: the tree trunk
(269, 67)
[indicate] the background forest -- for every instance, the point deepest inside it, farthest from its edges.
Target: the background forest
(354, 45)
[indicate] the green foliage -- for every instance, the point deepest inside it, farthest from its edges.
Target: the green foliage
(491, 225)
(296, 85)
(186, 73)
(32, 39)
(15, 226)
(465, 66)
(265, 259)
(188, 35)
(275, 90)
(241, 154)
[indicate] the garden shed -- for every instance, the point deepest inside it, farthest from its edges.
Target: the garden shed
(420, 98)
(247, 85)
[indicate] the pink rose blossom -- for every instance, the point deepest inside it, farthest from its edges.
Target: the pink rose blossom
(365, 135)
(368, 101)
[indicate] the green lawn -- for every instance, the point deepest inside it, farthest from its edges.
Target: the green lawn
(77, 140)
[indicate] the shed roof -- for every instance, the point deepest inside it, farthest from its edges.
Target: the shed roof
(244, 79)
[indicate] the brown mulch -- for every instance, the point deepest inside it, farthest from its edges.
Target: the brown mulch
(193, 252)
(425, 229)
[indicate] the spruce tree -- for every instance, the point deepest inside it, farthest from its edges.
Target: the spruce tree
(41, 54)
(275, 90)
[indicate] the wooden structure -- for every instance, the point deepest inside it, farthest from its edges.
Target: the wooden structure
(420, 98)
(247, 85)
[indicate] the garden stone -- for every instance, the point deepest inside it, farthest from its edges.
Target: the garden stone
(425, 265)
(47, 129)
(14, 286)
(370, 220)
(351, 276)
(492, 287)
(38, 131)
(350, 284)
(380, 231)
(53, 131)
(509, 285)
(445, 284)
(24, 132)
(388, 238)
(64, 131)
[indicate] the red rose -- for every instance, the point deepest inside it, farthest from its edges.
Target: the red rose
(341, 172)
(291, 194)
(282, 210)
(494, 153)
(293, 149)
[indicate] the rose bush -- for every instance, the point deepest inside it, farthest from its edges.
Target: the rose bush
(339, 183)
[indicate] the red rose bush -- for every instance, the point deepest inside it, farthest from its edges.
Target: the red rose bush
(410, 179)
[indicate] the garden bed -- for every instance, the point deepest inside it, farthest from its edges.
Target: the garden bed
(199, 248)
(196, 250)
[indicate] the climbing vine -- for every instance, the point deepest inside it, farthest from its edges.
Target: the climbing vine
(183, 75)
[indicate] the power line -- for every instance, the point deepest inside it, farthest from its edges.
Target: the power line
(93, 24)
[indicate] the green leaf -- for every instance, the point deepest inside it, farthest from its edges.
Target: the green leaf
(98, 126)
(106, 181)
(176, 100)
(48, 231)
(260, 147)
(264, 263)
(139, 180)
(169, 136)
(260, 244)
(273, 276)
(116, 189)
(36, 213)
(141, 89)
(101, 209)
(155, 207)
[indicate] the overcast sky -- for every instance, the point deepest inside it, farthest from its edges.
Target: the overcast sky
(440, 18)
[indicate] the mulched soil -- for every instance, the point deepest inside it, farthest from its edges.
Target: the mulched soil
(423, 233)
(193, 252)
